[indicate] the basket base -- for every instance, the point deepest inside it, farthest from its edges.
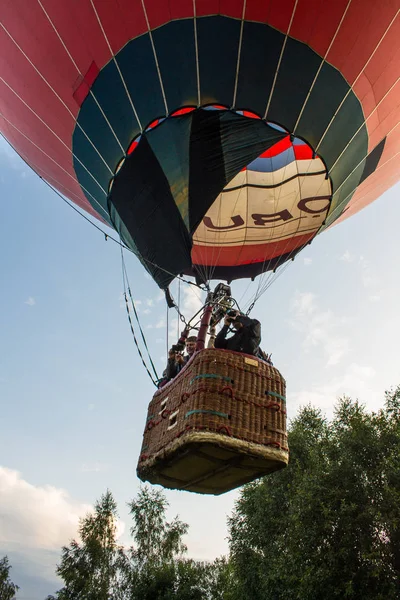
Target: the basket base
(210, 463)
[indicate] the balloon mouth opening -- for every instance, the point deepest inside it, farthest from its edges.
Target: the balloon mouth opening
(301, 145)
(267, 212)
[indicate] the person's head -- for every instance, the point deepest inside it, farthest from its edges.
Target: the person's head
(191, 344)
(234, 319)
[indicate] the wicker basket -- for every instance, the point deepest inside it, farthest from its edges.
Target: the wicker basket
(219, 424)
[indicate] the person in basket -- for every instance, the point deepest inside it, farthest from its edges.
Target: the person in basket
(246, 337)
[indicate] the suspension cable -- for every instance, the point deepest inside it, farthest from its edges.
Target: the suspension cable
(127, 287)
(179, 306)
(167, 336)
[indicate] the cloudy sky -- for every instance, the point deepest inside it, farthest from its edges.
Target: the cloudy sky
(73, 392)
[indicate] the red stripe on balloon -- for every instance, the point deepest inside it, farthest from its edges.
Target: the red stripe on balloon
(303, 152)
(277, 148)
(232, 256)
(183, 111)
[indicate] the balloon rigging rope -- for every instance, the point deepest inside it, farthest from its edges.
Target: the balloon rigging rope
(179, 306)
(167, 329)
(127, 288)
(106, 235)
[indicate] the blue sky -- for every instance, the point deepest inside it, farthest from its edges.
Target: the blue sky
(74, 394)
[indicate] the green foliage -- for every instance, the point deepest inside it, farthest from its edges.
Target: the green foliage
(157, 541)
(328, 526)
(96, 568)
(91, 568)
(8, 589)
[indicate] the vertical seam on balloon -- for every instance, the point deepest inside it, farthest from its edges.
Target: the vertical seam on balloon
(57, 96)
(276, 201)
(264, 285)
(118, 68)
(197, 52)
(53, 132)
(289, 237)
(247, 215)
(81, 74)
(155, 58)
(56, 163)
(355, 169)
(239, 53)
(279, 61)
(351, 88)
(217, 248)
(264, 281)
(321, 65)
(362, 125)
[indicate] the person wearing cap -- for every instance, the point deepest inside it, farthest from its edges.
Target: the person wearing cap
(247, 335)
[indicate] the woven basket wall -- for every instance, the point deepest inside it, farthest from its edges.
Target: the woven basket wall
(220, 423)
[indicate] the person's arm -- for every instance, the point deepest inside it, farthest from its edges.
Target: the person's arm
(220, 341)
(172, 366)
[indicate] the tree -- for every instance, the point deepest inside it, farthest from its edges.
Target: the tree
(8, 589)
(92, 568)
(154, 568)
(159, 570)
(328, 526)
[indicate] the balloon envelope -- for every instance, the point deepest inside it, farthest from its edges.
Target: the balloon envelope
(217, 137)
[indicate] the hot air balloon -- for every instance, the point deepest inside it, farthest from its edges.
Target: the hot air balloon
(217, 137)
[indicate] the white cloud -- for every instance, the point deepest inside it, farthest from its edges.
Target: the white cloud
(146, 311)
(375, 298)
(93, 467)
(91, 406)
(303, 303)
(31, 301)
(42, 516)
(173, 329)
(320, 328)
(150, 302)
(137, 302)
(355, 381)
(347, 257)
(307, 261)
(192, 301)
(38, 516)
(368, 277)
(159, 341)
(160, 324)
